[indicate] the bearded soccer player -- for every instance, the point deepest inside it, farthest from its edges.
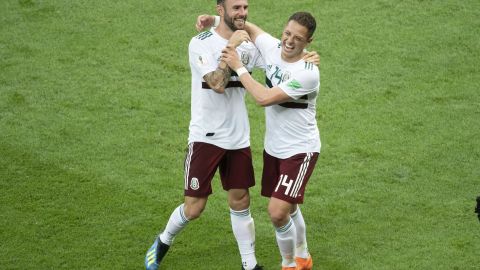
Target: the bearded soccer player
(218, 135)
(292, 140)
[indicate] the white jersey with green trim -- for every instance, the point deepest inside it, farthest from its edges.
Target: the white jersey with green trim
(291, 127)
(218, 119)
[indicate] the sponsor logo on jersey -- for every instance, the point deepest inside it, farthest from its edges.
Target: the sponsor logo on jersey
(294, 84)
(194, 184)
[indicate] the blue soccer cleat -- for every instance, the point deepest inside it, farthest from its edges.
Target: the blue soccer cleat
(155, 254)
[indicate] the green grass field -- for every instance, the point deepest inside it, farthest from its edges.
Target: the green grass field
(94, 111)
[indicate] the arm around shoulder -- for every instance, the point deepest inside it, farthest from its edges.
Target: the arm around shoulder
(253, 30)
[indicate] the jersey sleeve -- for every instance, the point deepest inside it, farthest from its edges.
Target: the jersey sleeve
(200, 57)
(259, 62)
(303, 83)
(265, 43)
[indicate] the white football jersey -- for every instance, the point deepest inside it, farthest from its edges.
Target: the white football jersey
(218, 119)
(291, 127)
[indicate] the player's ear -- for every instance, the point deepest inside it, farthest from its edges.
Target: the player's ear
(220, 10)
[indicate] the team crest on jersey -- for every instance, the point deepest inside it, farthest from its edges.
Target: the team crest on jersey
(194, 184)
(286, 75)
(245, 58)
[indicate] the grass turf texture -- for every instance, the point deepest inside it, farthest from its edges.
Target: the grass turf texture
(94, 111)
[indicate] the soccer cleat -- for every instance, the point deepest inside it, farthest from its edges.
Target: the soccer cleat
(257, 267)
(155, 254)
(304, 264)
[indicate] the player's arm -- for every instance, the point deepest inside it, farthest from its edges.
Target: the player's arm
(206, 21)
(253, 30)
(264, 96)
(218, 79)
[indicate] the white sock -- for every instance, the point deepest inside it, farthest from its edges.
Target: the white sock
(301, 249)
(286, 238)
(244, 230)
(175, 224)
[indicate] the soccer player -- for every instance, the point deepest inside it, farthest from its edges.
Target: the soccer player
(292, 140)
(218, 135)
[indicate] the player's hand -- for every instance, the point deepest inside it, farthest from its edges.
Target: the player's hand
(238, 37)
(204, 21)
(312, 57)
(230, 57)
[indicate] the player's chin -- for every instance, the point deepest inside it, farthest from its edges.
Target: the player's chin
(239, 24)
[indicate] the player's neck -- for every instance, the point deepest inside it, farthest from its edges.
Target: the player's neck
(292, 58)
(224, 31)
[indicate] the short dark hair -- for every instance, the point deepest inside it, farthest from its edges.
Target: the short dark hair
(220, 2)
(306, 19)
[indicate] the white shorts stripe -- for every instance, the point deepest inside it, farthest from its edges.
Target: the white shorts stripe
(188, 159)
(298, 180)
(301, 175)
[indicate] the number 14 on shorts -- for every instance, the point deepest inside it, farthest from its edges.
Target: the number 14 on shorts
(291, 187)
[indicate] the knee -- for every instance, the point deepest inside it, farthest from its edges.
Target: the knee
(239, 200)
(193, 211)
(278, 216)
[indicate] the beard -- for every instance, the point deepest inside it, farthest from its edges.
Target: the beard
(230, 22)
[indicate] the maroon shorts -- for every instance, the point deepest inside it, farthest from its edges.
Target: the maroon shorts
(202, 161)
(285, 179)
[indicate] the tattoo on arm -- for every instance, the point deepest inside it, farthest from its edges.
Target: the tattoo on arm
(218, 79)
(227, 72)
